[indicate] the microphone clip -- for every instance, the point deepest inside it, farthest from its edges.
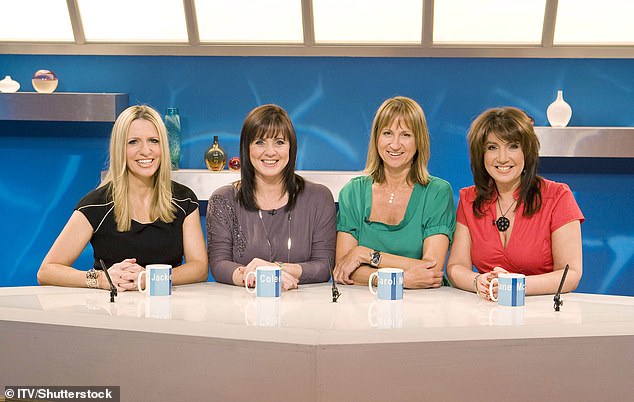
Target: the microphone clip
(557, 298)
(113, 288)
(335, 291)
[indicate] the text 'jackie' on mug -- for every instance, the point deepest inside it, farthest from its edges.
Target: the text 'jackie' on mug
(158, 280)
(389, 283)
(511, 290)
(268, 281)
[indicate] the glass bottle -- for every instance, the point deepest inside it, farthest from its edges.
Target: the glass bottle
(173, 125)
(215, 156)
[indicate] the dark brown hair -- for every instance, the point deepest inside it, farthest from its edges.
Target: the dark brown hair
(509, 124)
(267, 121)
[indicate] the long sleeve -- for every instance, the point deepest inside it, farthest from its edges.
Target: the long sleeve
(320, 203)
(222, 222)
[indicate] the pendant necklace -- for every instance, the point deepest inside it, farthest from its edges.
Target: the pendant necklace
(392, 192)
(503, 222)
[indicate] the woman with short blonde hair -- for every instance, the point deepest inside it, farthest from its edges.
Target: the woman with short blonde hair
(398, 215)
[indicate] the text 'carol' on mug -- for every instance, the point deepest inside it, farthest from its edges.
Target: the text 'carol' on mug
(511, 290)
(389, 283)
(158, 280)
(268, 281)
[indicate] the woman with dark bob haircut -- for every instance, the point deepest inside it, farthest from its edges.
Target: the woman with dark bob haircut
(513, 220)
(271, 216)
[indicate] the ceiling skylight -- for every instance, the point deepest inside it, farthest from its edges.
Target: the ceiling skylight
(36, 21)
(253, 21)
(133, 21)
(608, 22)
(368, 21)
(488, 21)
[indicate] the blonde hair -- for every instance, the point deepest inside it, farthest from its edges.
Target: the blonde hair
(411, 114)
(161, 206)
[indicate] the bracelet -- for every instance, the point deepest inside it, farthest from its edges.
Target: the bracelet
(475, 284)
(279, 264)
(91, 278)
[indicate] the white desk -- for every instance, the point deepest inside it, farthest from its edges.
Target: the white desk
(450, 345)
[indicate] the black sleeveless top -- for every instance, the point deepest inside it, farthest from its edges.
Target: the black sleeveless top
(150, 243)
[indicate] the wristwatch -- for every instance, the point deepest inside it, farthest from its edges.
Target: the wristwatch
(375, 258)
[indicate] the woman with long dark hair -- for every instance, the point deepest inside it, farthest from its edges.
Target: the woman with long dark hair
(271, 216)
(513, 220)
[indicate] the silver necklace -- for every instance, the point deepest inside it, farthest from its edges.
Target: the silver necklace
(268, 239)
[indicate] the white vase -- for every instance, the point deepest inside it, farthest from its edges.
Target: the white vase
(8, 85)
(559, 112)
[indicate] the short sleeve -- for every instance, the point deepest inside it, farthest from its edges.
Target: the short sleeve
(566, 208)
(440, 214)
(184, 198)
(96, 205)
(350, 208)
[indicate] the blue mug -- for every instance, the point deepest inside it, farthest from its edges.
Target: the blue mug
(511, 290)
(389, 283)
(268, 281)
(158, 280)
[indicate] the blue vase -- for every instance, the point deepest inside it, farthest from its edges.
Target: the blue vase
(173, 125)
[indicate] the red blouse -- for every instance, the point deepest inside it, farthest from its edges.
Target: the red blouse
(529, 249)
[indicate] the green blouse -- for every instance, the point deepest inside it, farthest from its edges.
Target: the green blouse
(430, 211)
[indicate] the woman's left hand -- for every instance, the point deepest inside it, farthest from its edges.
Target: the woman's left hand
(289, 281)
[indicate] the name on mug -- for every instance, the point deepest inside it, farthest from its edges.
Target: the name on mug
(161, 277)
(509, 288)
(390, 282)
(269, 279)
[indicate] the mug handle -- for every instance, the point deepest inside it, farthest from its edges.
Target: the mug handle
(138, 282)
(373, 323)
(491, 289)
(246, 282)
(372, 275)
(248, 309)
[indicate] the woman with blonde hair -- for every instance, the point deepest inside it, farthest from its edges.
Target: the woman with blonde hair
(398, 215)
(137, 216)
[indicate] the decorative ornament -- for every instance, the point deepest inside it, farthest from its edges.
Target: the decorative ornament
(234, 164)
(44, 81)
(503, 222)
(9, 85)
(559, 112)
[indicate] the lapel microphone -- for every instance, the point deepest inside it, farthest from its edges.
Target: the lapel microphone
(113, 289)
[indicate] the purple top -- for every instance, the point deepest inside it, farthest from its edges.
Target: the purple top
(236, 236)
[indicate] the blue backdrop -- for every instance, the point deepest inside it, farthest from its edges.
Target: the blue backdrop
(46, 167)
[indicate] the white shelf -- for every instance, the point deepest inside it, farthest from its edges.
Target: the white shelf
(205, 182)
(589, 142)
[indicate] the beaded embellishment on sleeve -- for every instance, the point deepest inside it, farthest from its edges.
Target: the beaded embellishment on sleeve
(225, 213)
